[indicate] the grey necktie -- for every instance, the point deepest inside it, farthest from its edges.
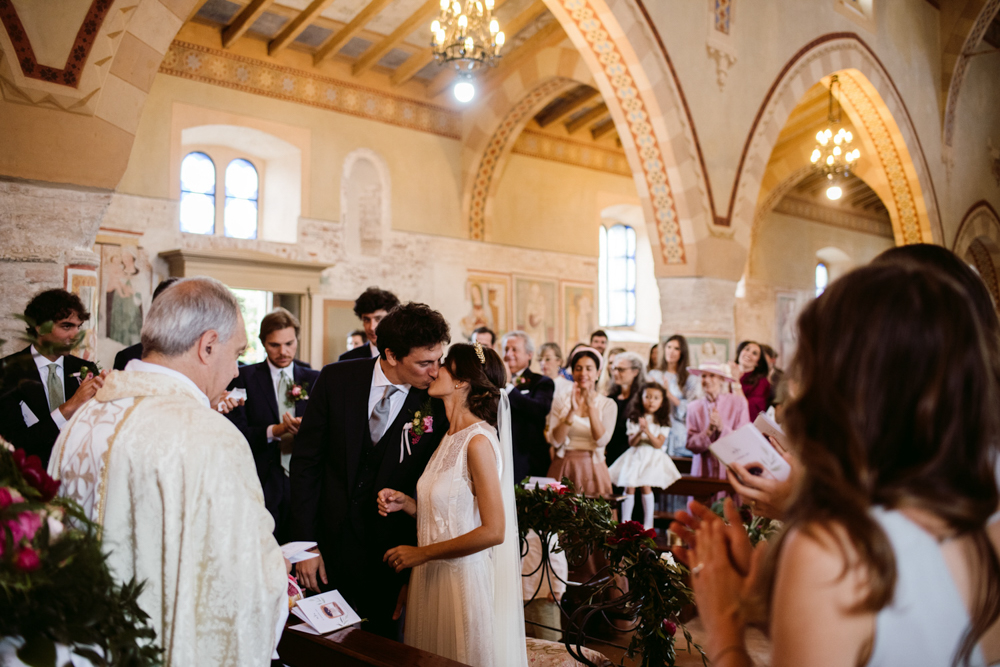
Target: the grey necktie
(379, 420)
(56, 395)
(284, 403)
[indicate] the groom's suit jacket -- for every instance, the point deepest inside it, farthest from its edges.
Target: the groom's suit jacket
(21, 381)
(336, 474)
(252, 419)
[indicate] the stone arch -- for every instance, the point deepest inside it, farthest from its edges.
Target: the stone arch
(962, 59)
(873, 102)
(365, 201)
(978, 242)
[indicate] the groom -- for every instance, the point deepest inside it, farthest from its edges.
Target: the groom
(349, 447)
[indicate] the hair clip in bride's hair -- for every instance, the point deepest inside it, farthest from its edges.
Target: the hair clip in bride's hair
(479, 352)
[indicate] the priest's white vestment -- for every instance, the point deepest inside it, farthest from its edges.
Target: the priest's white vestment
(173, 485)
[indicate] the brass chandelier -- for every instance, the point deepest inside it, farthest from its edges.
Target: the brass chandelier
(466, 35)
(834, 156)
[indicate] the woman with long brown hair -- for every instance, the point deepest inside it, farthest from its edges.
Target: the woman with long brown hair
(885, 559)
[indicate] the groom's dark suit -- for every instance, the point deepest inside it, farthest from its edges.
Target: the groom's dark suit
(336, 474)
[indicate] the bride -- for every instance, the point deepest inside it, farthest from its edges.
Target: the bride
(464, 599)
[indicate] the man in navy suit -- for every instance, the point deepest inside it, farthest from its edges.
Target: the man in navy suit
(530, 400)
(373, 305)
(41, 385)
(272, 413)
(350, 445)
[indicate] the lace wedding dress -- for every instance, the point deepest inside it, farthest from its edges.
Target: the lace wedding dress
(453, 607)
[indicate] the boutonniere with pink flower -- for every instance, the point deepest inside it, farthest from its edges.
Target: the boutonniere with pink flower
(296, 393)
(520, 380)
(421, 423)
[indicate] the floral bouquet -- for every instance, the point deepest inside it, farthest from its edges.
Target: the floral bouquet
(296, 393)
(55, 587)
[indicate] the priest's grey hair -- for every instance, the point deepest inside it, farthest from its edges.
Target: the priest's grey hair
(529, 345)
(186, 310)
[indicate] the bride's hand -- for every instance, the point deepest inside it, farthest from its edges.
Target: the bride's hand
(390, 500)
(404, 556)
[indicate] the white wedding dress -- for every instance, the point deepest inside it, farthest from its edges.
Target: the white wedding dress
(453, 606)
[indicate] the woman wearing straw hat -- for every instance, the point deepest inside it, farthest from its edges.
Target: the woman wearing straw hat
(713, 416)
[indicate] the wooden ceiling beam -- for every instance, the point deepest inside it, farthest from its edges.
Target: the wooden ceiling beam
(521, 21)
(295, 27)
(377, 51)
(337, 41)
(197, 8)
(243, 21)
(567, 108)
(587, 118)
(441, 82)
(602, 128)
(411, 66)
(547, 36)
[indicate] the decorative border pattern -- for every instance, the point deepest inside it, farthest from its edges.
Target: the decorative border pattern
(983, 260)
(853, 220)
(558, 149)
(979, 28)
(495, 149)
(637, 117)
(981, 222)
(221, 68)
(906, 210)
(69, 75)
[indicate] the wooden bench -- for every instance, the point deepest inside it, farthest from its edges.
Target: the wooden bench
(353, 647)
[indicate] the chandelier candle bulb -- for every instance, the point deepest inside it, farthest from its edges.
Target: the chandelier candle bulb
(500, 39)
(494, 27)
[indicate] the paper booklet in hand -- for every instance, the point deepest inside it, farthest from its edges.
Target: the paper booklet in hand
(748, 447)
(296, 552)
(324, 613)
(770, 428)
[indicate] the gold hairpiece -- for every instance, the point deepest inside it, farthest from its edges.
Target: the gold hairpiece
(479, 352)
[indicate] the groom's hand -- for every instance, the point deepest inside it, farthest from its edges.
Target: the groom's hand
(311, 572)
(400, 602)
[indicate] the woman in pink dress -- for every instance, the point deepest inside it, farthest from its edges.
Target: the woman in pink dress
(751, 368)
(712, 416)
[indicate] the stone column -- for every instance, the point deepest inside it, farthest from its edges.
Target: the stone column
(44, 228)
(697, 305)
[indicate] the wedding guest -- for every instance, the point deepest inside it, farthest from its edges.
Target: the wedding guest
(484, 336)
(42, 385)
(355, 339)
(530, 400)
(627, 377)
(752, 371)
(550, 361)
(599, 340)
(464, 599)
(885, 558)
(682, 388)
(606, 380)
(277, 392)
(567, 371)
(654, 361)
(172, 485)
(580, 425)
(714, 415)
(351, 438)
(371, 308)
(135, 351)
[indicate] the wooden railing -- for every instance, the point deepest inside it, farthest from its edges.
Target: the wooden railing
(353, 647)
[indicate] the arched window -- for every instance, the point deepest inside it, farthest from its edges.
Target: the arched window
(197, 194)
(822, 277)
(616, 276)
(240, 220)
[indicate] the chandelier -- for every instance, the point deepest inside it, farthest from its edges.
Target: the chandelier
(833, 155)
(467, 35)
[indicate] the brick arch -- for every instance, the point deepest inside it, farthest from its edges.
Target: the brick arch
(978, 242)
(873, 103)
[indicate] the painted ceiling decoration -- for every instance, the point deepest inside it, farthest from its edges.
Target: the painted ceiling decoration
(69, 74)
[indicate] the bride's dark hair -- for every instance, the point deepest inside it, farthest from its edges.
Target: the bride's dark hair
(896, 406)
(485, 378)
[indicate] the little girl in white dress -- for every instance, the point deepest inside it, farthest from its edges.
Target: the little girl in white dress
(646, 462)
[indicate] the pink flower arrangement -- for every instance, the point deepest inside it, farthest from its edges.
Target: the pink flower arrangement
(297, 393)
(561, 489)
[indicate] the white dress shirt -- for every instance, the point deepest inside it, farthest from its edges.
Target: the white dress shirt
(379, 384)
(374, 349)
(43, 372)
(275, 381)
(140, 366)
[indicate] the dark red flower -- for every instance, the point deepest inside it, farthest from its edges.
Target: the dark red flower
(670, 627)
(630, 531)
(27, 560)
(33, 473)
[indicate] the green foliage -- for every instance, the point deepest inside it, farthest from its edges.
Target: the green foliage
(759, 528)
(43, 329)
(580, 522)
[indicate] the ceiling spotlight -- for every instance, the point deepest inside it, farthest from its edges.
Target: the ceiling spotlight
(834, 192)
(464, 91)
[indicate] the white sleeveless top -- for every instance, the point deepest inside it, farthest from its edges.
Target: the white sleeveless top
(927, 618)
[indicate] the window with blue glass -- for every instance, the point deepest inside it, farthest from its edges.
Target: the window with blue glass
(616, 276)
(197, 194)
(822, 277)
(242, 188)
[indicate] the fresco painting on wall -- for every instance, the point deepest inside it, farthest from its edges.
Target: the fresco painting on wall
(579, 313)
(785, 335)
(126, 292)
(708, 348)
(82, 281)
(536, 309)
(488, 299)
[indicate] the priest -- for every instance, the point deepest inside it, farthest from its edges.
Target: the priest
(173, 485)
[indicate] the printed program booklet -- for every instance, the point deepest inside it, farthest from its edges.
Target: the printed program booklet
(325, 613)
(296, 552)
(748, 447)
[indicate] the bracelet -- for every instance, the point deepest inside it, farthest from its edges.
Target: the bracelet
(739, 648)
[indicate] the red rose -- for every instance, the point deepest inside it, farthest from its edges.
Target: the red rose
(35, 475)
(670, 627)
(27, 560)
(5, 498)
